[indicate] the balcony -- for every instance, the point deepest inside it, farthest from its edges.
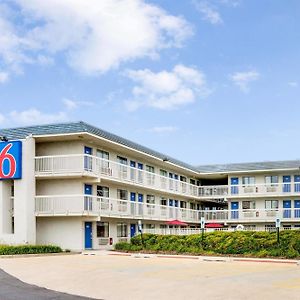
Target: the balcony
(88, 165)
(83, 205)
(278, 189)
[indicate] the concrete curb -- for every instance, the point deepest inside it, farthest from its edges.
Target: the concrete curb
(37, 255)
(209, 258)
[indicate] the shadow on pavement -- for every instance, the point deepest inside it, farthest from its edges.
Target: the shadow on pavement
(12, 288)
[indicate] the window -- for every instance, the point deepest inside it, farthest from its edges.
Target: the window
(122, 194)
(182, 178)
(163, 201)
(182, 204)
(150, 226)
(150, 199)
(270, 227)
(250, 227)
(193, 206)
(102, 229)
(102, 191)
(271, 180)
(271, 204)
(150, 175)
(149, 169)
(248, 204)
(248, 180)
(121, 230)
(163, 173)
(193, 181)
(102, 154)
(122, 160)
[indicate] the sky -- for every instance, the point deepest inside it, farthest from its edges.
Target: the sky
(204, 81)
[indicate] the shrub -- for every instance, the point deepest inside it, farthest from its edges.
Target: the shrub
(28, 249)
(260, 244)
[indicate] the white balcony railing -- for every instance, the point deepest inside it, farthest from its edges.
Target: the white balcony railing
(89, 165)
(94, 166)
(265, 189)
(189, 231)
(109, 207)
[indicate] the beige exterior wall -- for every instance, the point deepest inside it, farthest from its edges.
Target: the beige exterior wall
(66, 232)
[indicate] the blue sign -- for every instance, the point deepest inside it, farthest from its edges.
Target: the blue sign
(10, 160)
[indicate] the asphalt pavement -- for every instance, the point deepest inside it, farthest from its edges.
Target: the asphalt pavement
(12, 288)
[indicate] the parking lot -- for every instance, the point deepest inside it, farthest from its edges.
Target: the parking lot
(104, 276)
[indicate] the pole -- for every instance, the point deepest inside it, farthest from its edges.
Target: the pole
(202, 220)
(278, 229)
(141, 231)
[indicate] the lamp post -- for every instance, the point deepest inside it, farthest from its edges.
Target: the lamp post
(277, 229)
(140, 229)
(202, 224)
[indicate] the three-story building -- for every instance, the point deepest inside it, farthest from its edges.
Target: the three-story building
(84, 188)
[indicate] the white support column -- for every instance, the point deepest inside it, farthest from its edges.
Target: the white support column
(24, 203)
(5, 207)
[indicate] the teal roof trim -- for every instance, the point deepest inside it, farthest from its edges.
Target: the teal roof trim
(78, 127)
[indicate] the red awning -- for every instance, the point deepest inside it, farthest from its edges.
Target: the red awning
(214, 225)
(177, 222)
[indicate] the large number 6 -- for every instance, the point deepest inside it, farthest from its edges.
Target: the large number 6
(12, 162)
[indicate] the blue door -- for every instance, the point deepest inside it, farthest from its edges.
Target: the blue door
(140, 205)
(132, 197)
(234, 186)
(88, 200)
(297, 208)
(140, 198)
(234, 210)
(132, 204)
(87, 159)
(132, 230)
(297, 183)
(140, 173)
(287, 205)
(88, 235)
(132, 170)
(286, 184)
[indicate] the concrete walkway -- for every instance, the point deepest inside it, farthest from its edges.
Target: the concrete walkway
(112, 277)
(12, 288)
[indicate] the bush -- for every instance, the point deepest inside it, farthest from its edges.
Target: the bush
(247, 243)
(28, 249)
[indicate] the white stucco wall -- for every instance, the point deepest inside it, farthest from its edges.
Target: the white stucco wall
(66, 232)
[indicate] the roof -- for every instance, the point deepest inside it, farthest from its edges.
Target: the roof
(80, 127)
(254, 166)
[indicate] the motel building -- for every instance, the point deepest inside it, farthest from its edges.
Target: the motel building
(80, 187)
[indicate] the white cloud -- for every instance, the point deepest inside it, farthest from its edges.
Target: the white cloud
(243, 79)
(3, 77)
(95, 36)
(72, 104)
(163, 129)
(33, 116)
(293, 84)
(166, 90)
(210, 9)
(209, 12)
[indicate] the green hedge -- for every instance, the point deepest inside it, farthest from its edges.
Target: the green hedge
(28, 249)
(247, 243)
